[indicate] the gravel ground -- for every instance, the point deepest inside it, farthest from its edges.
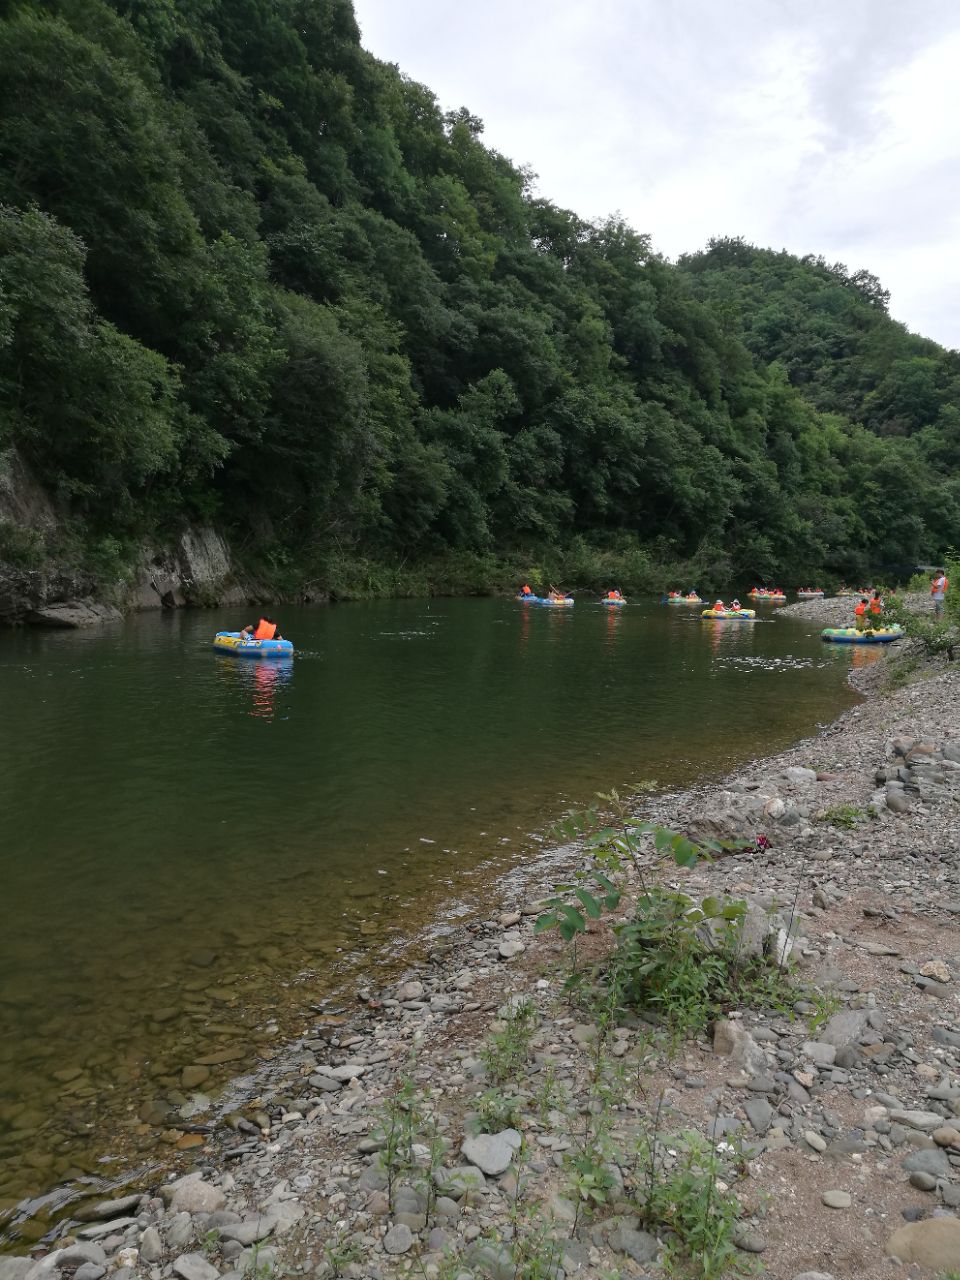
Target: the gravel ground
(837, 1115)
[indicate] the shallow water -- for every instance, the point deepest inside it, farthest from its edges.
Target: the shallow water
(191, 841)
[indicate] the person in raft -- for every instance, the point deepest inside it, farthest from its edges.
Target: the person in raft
(614, 595)
(736, 606)
(938, 589)
(266, 629)
(719, 606)
(860, 614)
(525, 590)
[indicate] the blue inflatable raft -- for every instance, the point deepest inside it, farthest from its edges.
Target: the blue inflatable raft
(850, 635)
(246, 647)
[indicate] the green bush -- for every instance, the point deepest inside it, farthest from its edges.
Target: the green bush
(22, 548)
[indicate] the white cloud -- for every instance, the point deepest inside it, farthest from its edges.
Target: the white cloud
(812, 125)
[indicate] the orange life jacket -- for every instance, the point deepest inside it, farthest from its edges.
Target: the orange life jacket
(860, 610)
(875, 606)
(526, 590)
(265, 630)
(939, 585)
(613, 595)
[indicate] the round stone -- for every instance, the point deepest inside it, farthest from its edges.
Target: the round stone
(837, 1199)
(398, 1239)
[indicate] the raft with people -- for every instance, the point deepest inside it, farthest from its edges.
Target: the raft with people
(720, 612)
(243, 645)
(553, 597)
(854, 635)
(614, 598)
(765, 593)
(678, 597)
(809, 593)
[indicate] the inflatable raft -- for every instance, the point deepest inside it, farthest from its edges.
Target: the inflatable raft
(684, 600)
(850, 635)
(246, 647)
(729, 615)
(528, 599)
(614, 602)
(809, 595)
(556, 604)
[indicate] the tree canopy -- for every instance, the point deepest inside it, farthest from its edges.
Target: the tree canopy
(249, 271)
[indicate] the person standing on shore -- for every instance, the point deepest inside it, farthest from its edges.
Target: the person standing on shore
(860, 614)
(938, 589)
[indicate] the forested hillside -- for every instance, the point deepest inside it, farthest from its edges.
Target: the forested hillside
(252, 275)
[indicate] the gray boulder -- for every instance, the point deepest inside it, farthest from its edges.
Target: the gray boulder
(194, 1266)
(844, 1028)
(492, 1152)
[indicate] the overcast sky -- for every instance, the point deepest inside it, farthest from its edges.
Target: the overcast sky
(820, 126)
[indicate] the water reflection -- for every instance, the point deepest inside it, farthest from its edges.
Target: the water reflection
(613, 625)
(260, 680)
(724, 636)
(862, 655)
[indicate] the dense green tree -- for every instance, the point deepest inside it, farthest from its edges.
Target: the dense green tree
(247, 268)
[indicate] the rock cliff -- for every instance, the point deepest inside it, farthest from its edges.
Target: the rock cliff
(42, 587)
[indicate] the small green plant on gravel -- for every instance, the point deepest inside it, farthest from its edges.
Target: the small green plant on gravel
(589, 1163)
(339, 1253)
(494, 1111)
(845, 816)
(675, 956)
(405, 1121)
(682, 960)
(589, 1183)
(826, 1005)
(210, 1242)
(550, 1094)
(257, 1269)
(449, 1267)
(506, 1052)
(398, 1125)
(687, 1203)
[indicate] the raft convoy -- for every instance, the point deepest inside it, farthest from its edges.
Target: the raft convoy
(868, 633)
(265, 641)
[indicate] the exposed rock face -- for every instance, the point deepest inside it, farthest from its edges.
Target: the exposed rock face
(81, 613)
(197, 570)
(38, 589)
(23, 503)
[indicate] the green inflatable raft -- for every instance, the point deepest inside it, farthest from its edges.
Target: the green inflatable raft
(850, 635)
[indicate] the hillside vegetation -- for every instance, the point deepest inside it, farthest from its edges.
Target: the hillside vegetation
(250, 274)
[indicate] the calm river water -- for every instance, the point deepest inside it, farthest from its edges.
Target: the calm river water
(191, 843)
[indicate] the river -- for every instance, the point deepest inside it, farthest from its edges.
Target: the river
(194, 846)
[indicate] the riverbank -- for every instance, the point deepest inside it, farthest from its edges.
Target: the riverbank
(845, 1100)
(837, 611)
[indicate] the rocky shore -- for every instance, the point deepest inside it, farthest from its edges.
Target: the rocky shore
(837, 611)
(474, 1121)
